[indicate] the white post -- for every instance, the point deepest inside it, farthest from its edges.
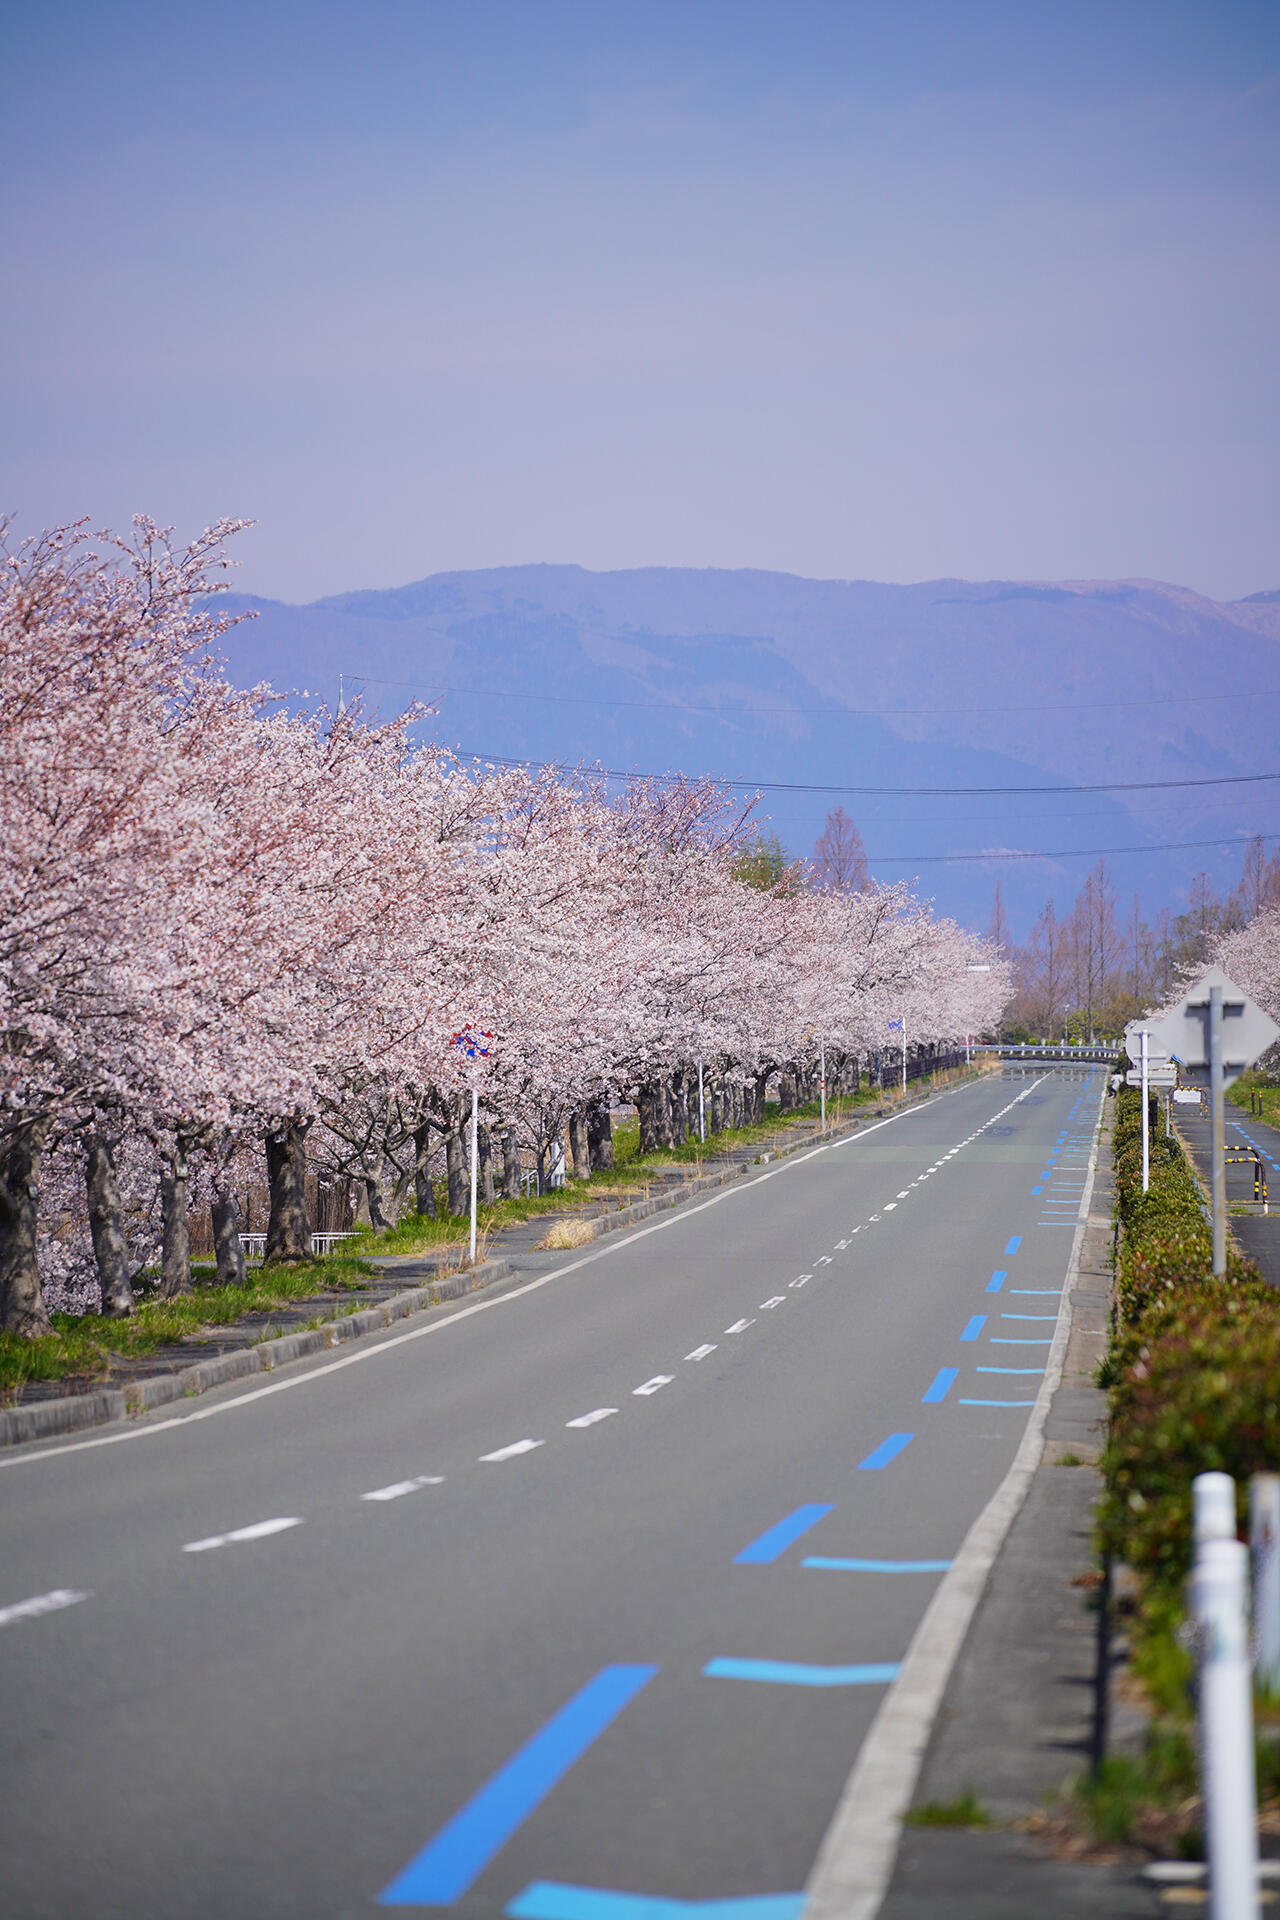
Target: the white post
(904, 1056)
(1217, 1134)
(822, 1081)
(1264, 1535)
(474, 1169)
(702, 1106)
(1213, 1507)
(1218, 1587)
(1146, 1122)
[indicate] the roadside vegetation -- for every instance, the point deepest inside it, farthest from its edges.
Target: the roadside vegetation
(1193, 1376)
(1257, 1094)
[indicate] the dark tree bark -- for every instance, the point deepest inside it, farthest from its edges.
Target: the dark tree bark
(102, 1190)
(289, 1226)
(22, 1308)
(787, 1090)
(760, 1094)
(715, 1109)
(600, 1137)
(373, 1195)
(511, 1181)
(228, 1249)
(175, 1249)
(424, 1193)
(647, 1109)
(578, 1144)
(484, 1156)
(456, 1165)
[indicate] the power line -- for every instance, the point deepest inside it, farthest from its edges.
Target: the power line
(729, 713)
(928, 793)
(1062, 853)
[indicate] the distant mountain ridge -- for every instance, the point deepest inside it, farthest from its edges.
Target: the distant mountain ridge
(950, 682)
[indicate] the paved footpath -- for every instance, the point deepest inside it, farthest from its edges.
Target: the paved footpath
(589, 1589)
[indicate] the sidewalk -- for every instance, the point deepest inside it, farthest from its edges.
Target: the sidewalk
(1017, 1719)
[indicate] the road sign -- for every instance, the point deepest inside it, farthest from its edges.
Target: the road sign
(1184, 1032)
(1165, 1075)
(1214, 1033)
(1157, 1053)
(1188, 1096)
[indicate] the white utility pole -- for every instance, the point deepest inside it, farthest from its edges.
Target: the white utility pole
(1218, 1133)
(904, 1056)
(822, 1080)
(1146, 1120)
(702, 1106)
(474, 1167)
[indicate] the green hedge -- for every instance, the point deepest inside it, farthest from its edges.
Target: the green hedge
(1194, 1368)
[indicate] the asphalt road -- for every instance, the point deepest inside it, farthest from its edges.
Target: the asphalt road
(512, 1646)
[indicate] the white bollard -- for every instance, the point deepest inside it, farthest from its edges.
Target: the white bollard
(1214, 1496)
(1264, 1538)
(1218, 1587)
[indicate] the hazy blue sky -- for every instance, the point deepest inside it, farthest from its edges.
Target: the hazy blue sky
(889, 290)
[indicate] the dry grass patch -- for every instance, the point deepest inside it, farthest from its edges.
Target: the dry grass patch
(567, 1233)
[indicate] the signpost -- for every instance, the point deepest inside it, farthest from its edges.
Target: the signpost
(1152, 1061)
(1214, 1034)
(475, 1047)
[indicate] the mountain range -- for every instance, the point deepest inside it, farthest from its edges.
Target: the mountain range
(772, 678)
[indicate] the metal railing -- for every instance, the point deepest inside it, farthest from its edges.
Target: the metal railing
(255, 1244)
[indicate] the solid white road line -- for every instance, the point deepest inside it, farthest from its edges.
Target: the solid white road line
(517, 1446)
(590, 1419)
(651, 1386)
(258, 1531)
(40, 1603)
(401, 1487)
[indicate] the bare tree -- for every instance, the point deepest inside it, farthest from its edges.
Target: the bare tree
(839, 857)
(998, 926)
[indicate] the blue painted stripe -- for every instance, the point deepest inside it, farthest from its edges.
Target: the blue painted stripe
(549, 1900)
(997, 1280)
(887, 1450)
(1037, 1190)
(1039, 1370)
(997, 1403)
(462, 1849)
(943, 1381)
(974, 1327)
(880, 1566)
(788, 1673)
(1014, 1244)
(773, 1544)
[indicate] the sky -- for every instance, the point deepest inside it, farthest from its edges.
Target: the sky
(892, 291)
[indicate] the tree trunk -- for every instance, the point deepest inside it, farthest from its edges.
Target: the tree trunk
(289, 1226)
(600, 1137)
(761, 1096)
(459, 1181)
(424, 1193)
(715, 1109)
(647, 1109)
(109, 1250)
(22, 1308)
(484, 1154)
(578, 1145)
(373, 1194)
(228, 1249)
(786, 1090)
(512, 1185)
(175, 1250)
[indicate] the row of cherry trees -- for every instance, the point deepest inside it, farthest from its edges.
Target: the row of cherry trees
(230, 929)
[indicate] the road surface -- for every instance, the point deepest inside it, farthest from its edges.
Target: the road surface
(588, 1588)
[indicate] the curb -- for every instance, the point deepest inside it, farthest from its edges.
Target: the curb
(49, 1419)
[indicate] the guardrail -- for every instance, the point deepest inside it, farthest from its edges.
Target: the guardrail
(1092, 1055)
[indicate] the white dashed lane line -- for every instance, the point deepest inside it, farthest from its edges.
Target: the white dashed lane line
(700, 1353)
(591, 1419)
(41, 1603)
(509, 1453)
(399, 1488)
(260, 1530)
(740, 1326)
(652, 1386)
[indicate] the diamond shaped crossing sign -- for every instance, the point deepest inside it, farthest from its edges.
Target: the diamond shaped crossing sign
(1183, 1032)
